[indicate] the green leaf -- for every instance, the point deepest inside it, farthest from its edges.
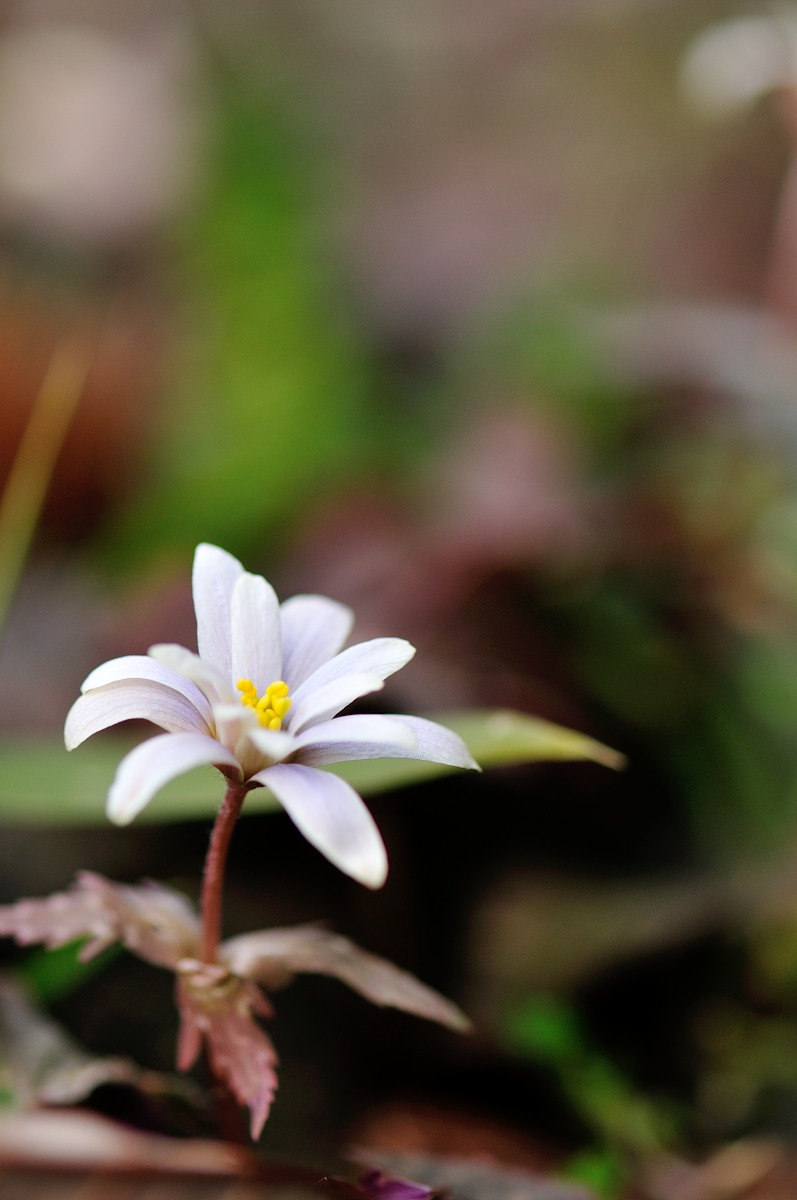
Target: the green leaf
(548, 1029)
(51, 974)
(40, 784)
(600, 1169)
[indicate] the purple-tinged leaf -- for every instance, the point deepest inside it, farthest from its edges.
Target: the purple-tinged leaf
(220, 1009)
(154, 922)
(273, 956)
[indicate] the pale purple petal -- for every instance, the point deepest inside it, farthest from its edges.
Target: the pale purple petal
(148, 768)
(256, 641)
(274, 956)
(325, 702)
(214, 575)
(234, 724)
(135, 700)
(255, 747)
(211, 682)
(143, 666)
(435, 743)
(314, 629)
(380, 656)
(275, 744)
(376, 1185)
(332, 817)
(347, 738)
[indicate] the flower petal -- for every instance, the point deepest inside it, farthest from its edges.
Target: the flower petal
(332, 817)
(256, 640)
(145, 770)
(214, 575)
(347, 738)
(234, 725)
(313, 630)
(210, 681)
(273, 742)
(273, 956)
(143, 666)
(254, 747)
(325, 702)
(380, 656)
(378, 1185)
(134, 700)
(435, 743)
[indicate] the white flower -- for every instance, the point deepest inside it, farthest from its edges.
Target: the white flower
(260, 702)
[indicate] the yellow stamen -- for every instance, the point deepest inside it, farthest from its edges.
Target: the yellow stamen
(272, 707)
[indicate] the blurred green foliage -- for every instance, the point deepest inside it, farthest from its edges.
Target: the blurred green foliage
(270, 406)
(628, 1125)
(548, 1028)
(50, 975)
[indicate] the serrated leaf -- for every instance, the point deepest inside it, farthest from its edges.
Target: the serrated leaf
(40, 784)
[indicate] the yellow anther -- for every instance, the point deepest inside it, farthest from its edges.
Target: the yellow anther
(271, 707)
(248, 692)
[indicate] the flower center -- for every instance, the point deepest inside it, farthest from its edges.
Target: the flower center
(272, 707)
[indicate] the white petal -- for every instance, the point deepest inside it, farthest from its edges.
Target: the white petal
(313, 630)
(272, 956)
(211, 682)
(234, 722)
(148, 768)
(131, 700)
(273, 743)
(332, 817)
(254, 747)
(381, 657)
(142, 666)
(347, 738)
(435, 743)
(256, 640)
(325, 702)
(214, 575)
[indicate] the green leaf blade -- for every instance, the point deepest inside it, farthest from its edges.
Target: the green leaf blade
(41, 784)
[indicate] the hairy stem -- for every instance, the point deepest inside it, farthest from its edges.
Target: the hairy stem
(215, 863)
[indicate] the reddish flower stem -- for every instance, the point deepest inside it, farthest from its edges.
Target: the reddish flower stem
(213, 874)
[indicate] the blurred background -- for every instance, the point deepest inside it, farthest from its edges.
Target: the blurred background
(482, 319)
